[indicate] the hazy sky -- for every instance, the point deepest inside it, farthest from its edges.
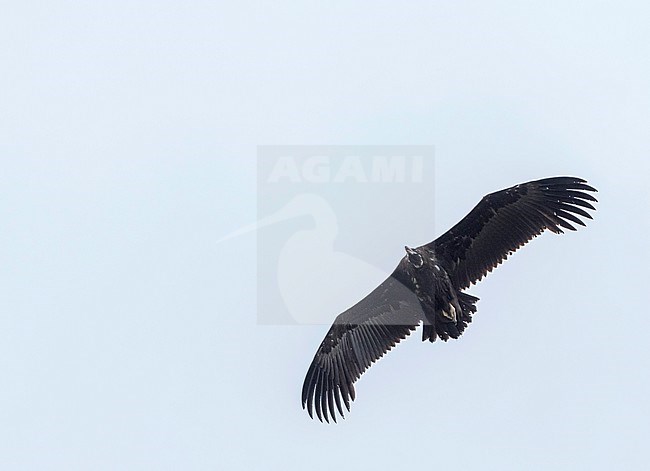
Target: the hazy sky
(129, 338)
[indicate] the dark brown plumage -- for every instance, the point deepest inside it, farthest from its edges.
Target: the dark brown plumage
(426, 287)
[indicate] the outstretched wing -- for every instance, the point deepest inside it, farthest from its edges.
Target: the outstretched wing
(506, 220)
(359, 336)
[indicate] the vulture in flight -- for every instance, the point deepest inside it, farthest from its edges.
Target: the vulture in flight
(428, 285)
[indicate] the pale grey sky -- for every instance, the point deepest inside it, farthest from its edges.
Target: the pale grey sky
(128, 134)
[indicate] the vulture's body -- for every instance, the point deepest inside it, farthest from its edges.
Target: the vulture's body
(427, 286)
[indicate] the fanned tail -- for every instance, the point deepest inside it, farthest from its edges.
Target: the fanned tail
(446, 331)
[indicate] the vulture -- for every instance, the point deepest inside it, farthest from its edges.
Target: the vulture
(428, 286)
